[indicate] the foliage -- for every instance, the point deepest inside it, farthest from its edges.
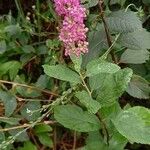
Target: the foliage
(99, 100)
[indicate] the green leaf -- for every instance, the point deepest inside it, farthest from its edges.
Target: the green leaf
(28, 146)
(134, 56)
(11, 67)
(137, 40)
(28, 49)
(146, 1)
(10, 120)
(134, 124)
(30, 111)
(121, 2)
(23, 136)
(3, 46)
(113, 86)
(139, 88)
(96, 81)
(61, 72)
(97, 66)
(45, 139)
(97, 42)
(123, 22)
(12, 29)
(92, 105)
(95, 142)
(89, 3)
(73, 117)
(41, 128)
(43, 82)
(9, 101)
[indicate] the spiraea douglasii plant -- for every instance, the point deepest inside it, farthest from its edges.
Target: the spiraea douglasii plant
(74, 75)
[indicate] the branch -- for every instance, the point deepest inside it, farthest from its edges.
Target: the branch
(106, 30)
(28, 86)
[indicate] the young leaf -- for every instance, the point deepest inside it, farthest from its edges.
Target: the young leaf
(123, 22)
(139, 88)
(77, 62)
(134, 124)
(92, 105)
(113, 86)
(97, 66)
(134, 56)
(61, 72)
(73, 117)
(9, 101)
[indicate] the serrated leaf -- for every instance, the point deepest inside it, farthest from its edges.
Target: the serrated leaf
(134, 124)
(139, 88)
(113, 86)
(73, 117)
(3, 46)
(97, 66)
(9, 101)
(92, 105)
(123, 22)
(134, 56)
(29, 111)
(61, 72)
(137, 40)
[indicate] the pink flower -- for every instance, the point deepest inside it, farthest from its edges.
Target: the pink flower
(73, 31)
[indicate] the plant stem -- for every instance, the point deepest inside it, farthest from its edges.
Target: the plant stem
(25, 126)
(84, 84)
(106, 30)
(28, 86)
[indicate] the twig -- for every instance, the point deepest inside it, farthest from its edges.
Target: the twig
(104, 127)
(25, 126)
(84, 84)
(28, 86)
(106, 30)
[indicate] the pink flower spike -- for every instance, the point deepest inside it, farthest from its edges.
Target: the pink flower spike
(73, 31)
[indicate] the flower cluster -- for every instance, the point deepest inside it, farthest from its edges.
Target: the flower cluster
(73, 31)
